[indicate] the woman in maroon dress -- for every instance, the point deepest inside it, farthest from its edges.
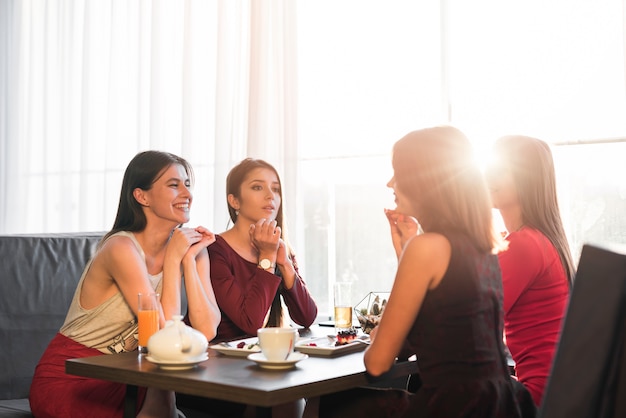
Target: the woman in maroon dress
(253, 269)
(252, 266)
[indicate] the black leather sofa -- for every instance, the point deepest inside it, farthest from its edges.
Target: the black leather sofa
(38, 276)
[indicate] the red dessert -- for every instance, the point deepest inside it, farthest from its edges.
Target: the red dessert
(346, 336)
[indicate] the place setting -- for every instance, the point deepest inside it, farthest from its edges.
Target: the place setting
(238, 348)
(347, 339)
(277, 349)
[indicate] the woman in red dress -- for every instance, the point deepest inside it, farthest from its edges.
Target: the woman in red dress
(537, 268)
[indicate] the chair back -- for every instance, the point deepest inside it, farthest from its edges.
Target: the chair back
(588, 376)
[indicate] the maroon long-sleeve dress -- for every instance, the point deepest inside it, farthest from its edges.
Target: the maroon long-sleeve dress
(245, 293)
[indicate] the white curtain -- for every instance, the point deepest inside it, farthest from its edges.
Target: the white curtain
(85, 85)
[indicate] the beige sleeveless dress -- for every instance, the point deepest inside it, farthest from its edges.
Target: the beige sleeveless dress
(110, 327)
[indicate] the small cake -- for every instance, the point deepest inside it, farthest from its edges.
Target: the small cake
(346, 336)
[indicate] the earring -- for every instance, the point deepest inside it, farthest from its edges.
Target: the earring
(237, 212)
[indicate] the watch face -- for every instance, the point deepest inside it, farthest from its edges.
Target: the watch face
(265, 263)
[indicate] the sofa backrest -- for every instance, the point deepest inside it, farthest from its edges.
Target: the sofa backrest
(38, 276)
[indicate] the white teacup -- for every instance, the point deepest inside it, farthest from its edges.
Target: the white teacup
(277, 343)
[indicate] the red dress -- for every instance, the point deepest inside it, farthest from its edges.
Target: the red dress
(536, 291)
(54, 393)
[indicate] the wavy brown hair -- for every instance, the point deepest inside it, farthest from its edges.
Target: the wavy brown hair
(532, 168)
(435, 169)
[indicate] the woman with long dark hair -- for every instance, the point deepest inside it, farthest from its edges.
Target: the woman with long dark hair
(253, 268)
(147, 250)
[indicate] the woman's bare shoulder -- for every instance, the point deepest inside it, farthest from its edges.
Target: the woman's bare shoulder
(427, 255)
(116, 248)
(428, 243)
(116, 242)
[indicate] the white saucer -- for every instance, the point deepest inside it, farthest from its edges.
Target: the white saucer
(178, 365)
(294, 357)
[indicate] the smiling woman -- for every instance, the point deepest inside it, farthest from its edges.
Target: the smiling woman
(145, 252)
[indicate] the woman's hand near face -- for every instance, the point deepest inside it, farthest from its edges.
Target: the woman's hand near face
(202, 308)
(282, 258)
(206, 238)
(283, 261)
(265, 237)
(403, 228)
(180, 242)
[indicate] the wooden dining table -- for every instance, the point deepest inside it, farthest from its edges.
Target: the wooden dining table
(238, 379)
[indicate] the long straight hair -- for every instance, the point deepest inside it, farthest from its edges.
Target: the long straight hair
(532, 168)
(435, 169)
(234, 180)
(142, 171)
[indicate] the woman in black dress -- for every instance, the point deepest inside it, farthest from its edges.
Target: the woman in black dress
(446, 302)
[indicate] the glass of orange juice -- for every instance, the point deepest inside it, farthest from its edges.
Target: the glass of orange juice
(148, 318)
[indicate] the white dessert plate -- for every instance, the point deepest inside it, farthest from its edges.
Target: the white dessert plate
(250, 345)
(325, 346)
(178, 365)
(294, 357)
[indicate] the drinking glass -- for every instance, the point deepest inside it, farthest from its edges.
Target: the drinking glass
(148, 318)
(343, 305)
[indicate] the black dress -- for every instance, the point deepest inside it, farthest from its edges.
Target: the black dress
(457, 337)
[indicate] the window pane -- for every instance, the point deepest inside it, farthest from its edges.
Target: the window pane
(592, 193)
(346, 235)
(368, 73)
(553, 69)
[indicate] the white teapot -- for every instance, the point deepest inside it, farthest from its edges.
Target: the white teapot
(177, 342)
